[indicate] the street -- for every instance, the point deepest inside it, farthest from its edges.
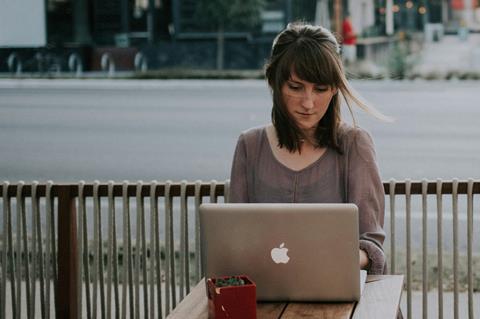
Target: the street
(117, 130)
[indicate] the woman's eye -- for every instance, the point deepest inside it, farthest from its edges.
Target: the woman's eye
(320, 88)
(294, 87)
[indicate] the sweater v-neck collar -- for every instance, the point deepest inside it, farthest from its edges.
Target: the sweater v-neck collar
(272, 154)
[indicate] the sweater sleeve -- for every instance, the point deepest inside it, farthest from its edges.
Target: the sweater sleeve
(365, 189)
(238, 192)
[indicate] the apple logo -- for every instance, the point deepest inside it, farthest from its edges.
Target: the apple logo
(279, 255)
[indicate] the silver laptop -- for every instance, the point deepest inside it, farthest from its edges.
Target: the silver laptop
(293, 252)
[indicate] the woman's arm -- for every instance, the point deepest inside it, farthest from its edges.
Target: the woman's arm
(364, 261)
(238, 177)
(365, 189)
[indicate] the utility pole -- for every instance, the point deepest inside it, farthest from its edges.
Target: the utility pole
(445, 12)
(389, 18)
(468, 12)
(337, 16)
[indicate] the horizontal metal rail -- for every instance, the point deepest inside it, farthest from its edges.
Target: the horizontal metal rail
(118, 189)
(175, 189)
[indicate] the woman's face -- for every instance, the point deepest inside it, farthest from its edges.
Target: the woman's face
(306, 102)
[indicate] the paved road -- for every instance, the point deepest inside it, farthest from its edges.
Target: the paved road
(67, 131)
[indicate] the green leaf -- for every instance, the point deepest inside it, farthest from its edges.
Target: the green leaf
(230, 281)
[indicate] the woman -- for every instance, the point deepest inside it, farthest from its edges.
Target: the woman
(307, 155)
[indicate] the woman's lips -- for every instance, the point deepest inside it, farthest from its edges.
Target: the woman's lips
(305, 114)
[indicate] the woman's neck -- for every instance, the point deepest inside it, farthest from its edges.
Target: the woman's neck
(309, 138)
(307, 142)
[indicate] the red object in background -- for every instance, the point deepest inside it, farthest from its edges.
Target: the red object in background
(460, 4)
(349, 37)
(232, 302)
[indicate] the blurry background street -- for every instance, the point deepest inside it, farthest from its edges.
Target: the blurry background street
(111, 129)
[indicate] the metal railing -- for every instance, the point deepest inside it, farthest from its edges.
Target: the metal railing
(132, 249)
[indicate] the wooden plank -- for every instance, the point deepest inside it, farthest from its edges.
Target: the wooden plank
(381, 297)
(270, 310)
(319, 310)
(67, 260)
(194, 305)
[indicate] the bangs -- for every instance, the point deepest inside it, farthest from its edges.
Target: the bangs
(309, 62)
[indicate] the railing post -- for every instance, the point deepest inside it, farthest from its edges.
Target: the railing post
(66, 306)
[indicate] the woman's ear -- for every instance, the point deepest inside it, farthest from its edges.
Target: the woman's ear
(334, 91)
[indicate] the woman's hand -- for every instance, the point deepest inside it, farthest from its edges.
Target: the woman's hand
(364, 261)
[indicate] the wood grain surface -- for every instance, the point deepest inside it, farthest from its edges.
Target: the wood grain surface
(380, 299)
(319, 310)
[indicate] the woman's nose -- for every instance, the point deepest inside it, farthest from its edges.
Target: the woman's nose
(307, 100)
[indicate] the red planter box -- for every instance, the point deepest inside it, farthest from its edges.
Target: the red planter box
(232, 302)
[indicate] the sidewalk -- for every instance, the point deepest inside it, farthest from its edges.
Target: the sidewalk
(451, 54)
(432, 297)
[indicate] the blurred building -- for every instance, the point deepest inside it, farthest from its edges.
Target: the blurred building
(170, 34)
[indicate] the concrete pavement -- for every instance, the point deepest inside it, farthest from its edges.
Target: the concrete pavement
(450, 54)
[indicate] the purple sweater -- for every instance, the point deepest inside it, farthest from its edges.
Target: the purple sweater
(258, 177)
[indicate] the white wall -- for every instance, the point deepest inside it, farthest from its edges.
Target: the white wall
(22, 23)
(362, 13)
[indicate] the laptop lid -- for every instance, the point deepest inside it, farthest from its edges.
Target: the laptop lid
(293, 252)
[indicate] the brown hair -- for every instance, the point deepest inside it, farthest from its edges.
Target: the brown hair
(313, 54)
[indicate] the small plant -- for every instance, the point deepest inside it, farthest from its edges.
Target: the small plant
(229, 281)
(232, 297)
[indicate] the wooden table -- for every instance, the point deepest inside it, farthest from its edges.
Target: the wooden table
(380, 299)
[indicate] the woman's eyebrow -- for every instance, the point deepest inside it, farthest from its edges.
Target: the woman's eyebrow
(302, 83)
(294, 81)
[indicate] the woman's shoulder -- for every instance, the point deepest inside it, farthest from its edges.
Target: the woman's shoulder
(252, 135)
(347, 130)
(349, 135)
